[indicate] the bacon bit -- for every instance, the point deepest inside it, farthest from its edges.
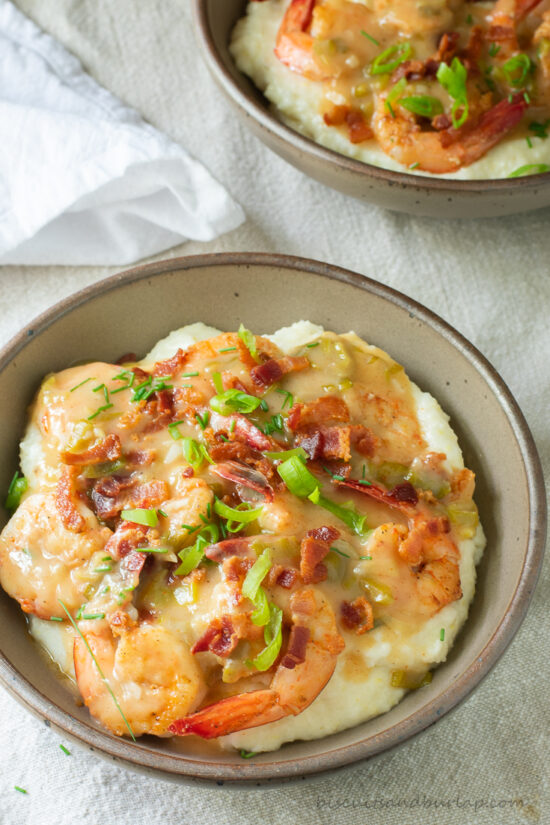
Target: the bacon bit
(171, 366)
(244, 431)
(403, 496)
(140, 458)
(140, 374)
(440, 122)
(447, 47)
(110, 496)
(326, 442)
(232, 382)
(71, 517)
(296, 650)
(264, 375)
(313, 549)
(336, 116)
(235, 569)
(283, 576)
(244, 475)
(228, 548)
(124, 541)
(188, 472)
(127, 358)
(219, 637)
(474, 47)
(120, 622)
(363, 440)
(107, 450)
(410, 69)
(326, 409)
(357, 615)
(159, 409)
(358, 129)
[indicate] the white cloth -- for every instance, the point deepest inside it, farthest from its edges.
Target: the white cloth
(486, 763)
(83, 179)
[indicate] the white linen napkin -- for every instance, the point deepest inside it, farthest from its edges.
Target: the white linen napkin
(83, 179)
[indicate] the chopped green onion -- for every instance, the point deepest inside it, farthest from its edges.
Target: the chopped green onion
(104, 679)
(192, 452)
(162, 513)
(315, 344)
(453, 79)
(81, 384)
(105, 391)
(56, 619)
(174, 432)
(289, 398)
(394, 94)
(151, 549)
(145, 390)
(18, 486)
(192, 556)
(246, 754)
(530, 169)
(203, 420)
(384, 65)
(370, 37)
(340, 552)
(263, 405)
(228, 349)
(249, 341)
(217, 381)
(91, 616)
(276, 424)
(494, 49)
(260, 616)
(273, 637)
(414, 165)
(65, 750)
(256, 575)
(189, 374)
(540, 130)
(234, 401)
(299, 451)
(105, 568)
(442, 634)
(98, 411)
(297, 477)
(141, 516)
(529, 142)
(469, 19)
(244, 516)
(232, 426)
(21, 790)
(422, 105)
(365, 558)
(348, 515)
(206, 455)
(516, 69)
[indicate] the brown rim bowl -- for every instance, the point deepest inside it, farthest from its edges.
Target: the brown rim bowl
(417, 195)
(130, 311)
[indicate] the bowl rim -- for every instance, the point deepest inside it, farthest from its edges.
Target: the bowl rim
(143, 756)
(261, 114)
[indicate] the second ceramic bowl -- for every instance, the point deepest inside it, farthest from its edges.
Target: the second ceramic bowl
(435, 197)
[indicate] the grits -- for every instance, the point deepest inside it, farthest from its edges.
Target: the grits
(301, 102)
(365, 668)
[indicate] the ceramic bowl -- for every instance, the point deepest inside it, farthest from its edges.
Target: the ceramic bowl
(418, 195)
(130, 311)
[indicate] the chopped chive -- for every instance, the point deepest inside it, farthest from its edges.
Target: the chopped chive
(81, 384)
(315, 344)
(65, 750)
(189, 374)
(105, 568)
(365, 558)
(232, 425)
(162, 513)
(530, 169)
(105, 391)
(414, 165)
(203, 420)
(190, 528)
(494, 49)
(106, 558)
(228, 349)
(150, 549)
(243, 754)
(442, 634)
(469, 19)
(56, 619)
(104, 679)
(365, 483)
(223, 437)
(209, 510)
(288, 399)
(100, 410)
(21, 790)
(529, 142)
(263, 405)
(370, 37)
(174, 432)
(91, 616)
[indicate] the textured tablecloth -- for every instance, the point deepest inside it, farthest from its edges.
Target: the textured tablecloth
(486, 762)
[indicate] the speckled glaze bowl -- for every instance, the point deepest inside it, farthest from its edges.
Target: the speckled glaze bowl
(129, 312)
(435, 197)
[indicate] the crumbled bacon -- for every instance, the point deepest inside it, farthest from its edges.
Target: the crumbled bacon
(331, 443)
(243, 430)
(358, 128)
(296, 650)
(227, 548)
(313, 549)
(324, 410)
(110, 496)
(159, 410)
(219, 637)
(65, 503)
(363, 440)
(127, 358)
(245, 476)
(139, 458)
(264, 375)
(283, 576)
(109, 449)
(124, 541)
(357, 615)
(171, 366)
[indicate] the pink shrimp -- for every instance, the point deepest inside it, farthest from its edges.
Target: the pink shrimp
(446, 151)
(302, 674)
(294, 45)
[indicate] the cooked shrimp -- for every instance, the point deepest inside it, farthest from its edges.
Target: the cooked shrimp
(504, 18)
(294, 686)
(434, 558)
(412, 17)
(294, 46)
(402, 139)
(152, 674)
(41, 561)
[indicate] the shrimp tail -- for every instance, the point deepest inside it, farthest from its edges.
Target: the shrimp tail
(246, 710)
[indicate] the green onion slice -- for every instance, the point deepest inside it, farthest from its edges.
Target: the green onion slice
(249, 341)
(234, 401)
(422, 105)
(141, 516)
(394, 94)
(244, 515)
(273, 636)
(260, 616)
(530, 169)
(217, 381)
(297, 477)
(192, 452)
(517, 69)
(383, 64)
(18, 486)
(453, 80)
(256, 575)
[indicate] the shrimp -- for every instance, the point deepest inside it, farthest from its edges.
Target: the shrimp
(447, 151)
(41, 561)
(152, 674)
(299, 678)
(434, 558)
(294, 46)
(504, 19)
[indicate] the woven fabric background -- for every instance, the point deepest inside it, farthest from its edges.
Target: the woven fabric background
(486, 762)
